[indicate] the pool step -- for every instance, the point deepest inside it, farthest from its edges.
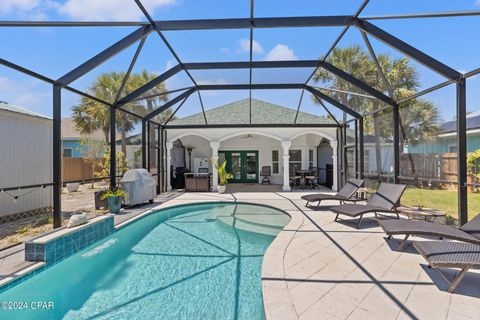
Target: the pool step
(253, 223)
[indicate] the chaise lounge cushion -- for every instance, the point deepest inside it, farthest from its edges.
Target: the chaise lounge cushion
(469, 232)
(355, 210)
(449, 254)
(344, 194)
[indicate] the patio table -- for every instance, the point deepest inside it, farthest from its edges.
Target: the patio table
(302, 174)
(427, 214)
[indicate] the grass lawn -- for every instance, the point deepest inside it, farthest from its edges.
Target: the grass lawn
(443, 200)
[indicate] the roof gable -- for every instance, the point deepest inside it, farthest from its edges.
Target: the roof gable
(262, 112)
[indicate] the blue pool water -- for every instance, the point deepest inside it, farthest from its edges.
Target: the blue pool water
(199, 261)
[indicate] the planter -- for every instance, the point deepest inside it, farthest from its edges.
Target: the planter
(99, 203)
(72, 187)
(114, 205)
(221, 189)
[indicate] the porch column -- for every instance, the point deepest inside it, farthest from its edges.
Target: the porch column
(169, 146)
(215, 145)
(286, 157)
(334, 144)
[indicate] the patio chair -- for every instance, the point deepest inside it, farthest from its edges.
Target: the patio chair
(450, 254)
(345, 194)
(385, 200)
(266, 173)
(469, 232)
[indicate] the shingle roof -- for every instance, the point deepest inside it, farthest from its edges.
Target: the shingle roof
(262, 113)
(473, 122)
(11, 108)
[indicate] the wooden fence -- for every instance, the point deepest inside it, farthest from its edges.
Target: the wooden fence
(438, 166)
(76, 169)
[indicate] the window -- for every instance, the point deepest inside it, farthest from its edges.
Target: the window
(366, 160)
(275, 162)
(295, 162)
(67, 153)
(452, 148)
(310, 159)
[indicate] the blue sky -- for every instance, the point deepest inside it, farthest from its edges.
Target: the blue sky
(54, 51)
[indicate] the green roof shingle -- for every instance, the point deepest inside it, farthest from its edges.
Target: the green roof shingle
(262, 113)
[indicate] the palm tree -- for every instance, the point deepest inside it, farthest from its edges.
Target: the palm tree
(419, 117)
(90, 115)
(155, 97)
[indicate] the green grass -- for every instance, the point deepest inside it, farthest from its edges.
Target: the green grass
(443, 200)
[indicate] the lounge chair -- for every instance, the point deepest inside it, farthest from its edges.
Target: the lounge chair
(385, 200)
(450, 254)
(345, 194)
(469, 232)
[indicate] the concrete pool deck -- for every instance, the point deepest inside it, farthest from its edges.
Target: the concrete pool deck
(320, 269)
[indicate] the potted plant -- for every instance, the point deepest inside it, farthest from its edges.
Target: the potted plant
(223, 176)
(114, 198)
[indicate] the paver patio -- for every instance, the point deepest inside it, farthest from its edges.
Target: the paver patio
(320, 269)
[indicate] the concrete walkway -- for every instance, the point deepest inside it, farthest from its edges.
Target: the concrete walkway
(320, 269)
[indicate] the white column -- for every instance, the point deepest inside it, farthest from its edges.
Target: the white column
(169, 160)
(215, 145)
(286, 157)
(334, 144)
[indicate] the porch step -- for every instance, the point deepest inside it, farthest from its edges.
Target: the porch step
(262, 224)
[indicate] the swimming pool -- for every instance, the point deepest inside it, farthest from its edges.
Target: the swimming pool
(200, 261)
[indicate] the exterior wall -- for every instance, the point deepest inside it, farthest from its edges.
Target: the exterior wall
(73, 144)
(441, 145)
(26, 158)
(265, 140)
(386, 151)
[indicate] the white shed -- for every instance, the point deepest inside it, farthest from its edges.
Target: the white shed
(26, 159)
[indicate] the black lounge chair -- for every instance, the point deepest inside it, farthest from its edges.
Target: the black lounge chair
(345, 194)
(385, 200)
(469, 232)
(450, 254)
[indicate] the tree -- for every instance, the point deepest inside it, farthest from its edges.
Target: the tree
(91, 115)
(155, 98)
(419, 118)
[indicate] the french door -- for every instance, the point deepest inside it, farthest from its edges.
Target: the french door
(243, 165)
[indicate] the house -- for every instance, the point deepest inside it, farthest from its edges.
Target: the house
(446, 139)
(72, 138)
(26, 144)
(282, 147)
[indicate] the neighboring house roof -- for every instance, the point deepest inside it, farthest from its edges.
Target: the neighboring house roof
(473, 122)
(70, 131)
(4, 106)
(262, 113)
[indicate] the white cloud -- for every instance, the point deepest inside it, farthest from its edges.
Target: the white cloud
(9, 6)
(109, 9)
(30, 94)
(281, 52)
(245, 46)
(27, 9)
(225, 50)
(208, 82)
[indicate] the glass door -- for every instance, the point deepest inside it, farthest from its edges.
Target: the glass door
(243, 165)
(236, 165)
(251, 166)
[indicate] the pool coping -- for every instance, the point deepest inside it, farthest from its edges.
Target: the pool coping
(276, 299)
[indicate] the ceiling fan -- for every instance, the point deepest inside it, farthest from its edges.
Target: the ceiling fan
(248, 136)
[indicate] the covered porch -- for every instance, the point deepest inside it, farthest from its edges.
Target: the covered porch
(283, 151)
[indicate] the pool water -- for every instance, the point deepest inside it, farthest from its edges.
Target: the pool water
(199, 261)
